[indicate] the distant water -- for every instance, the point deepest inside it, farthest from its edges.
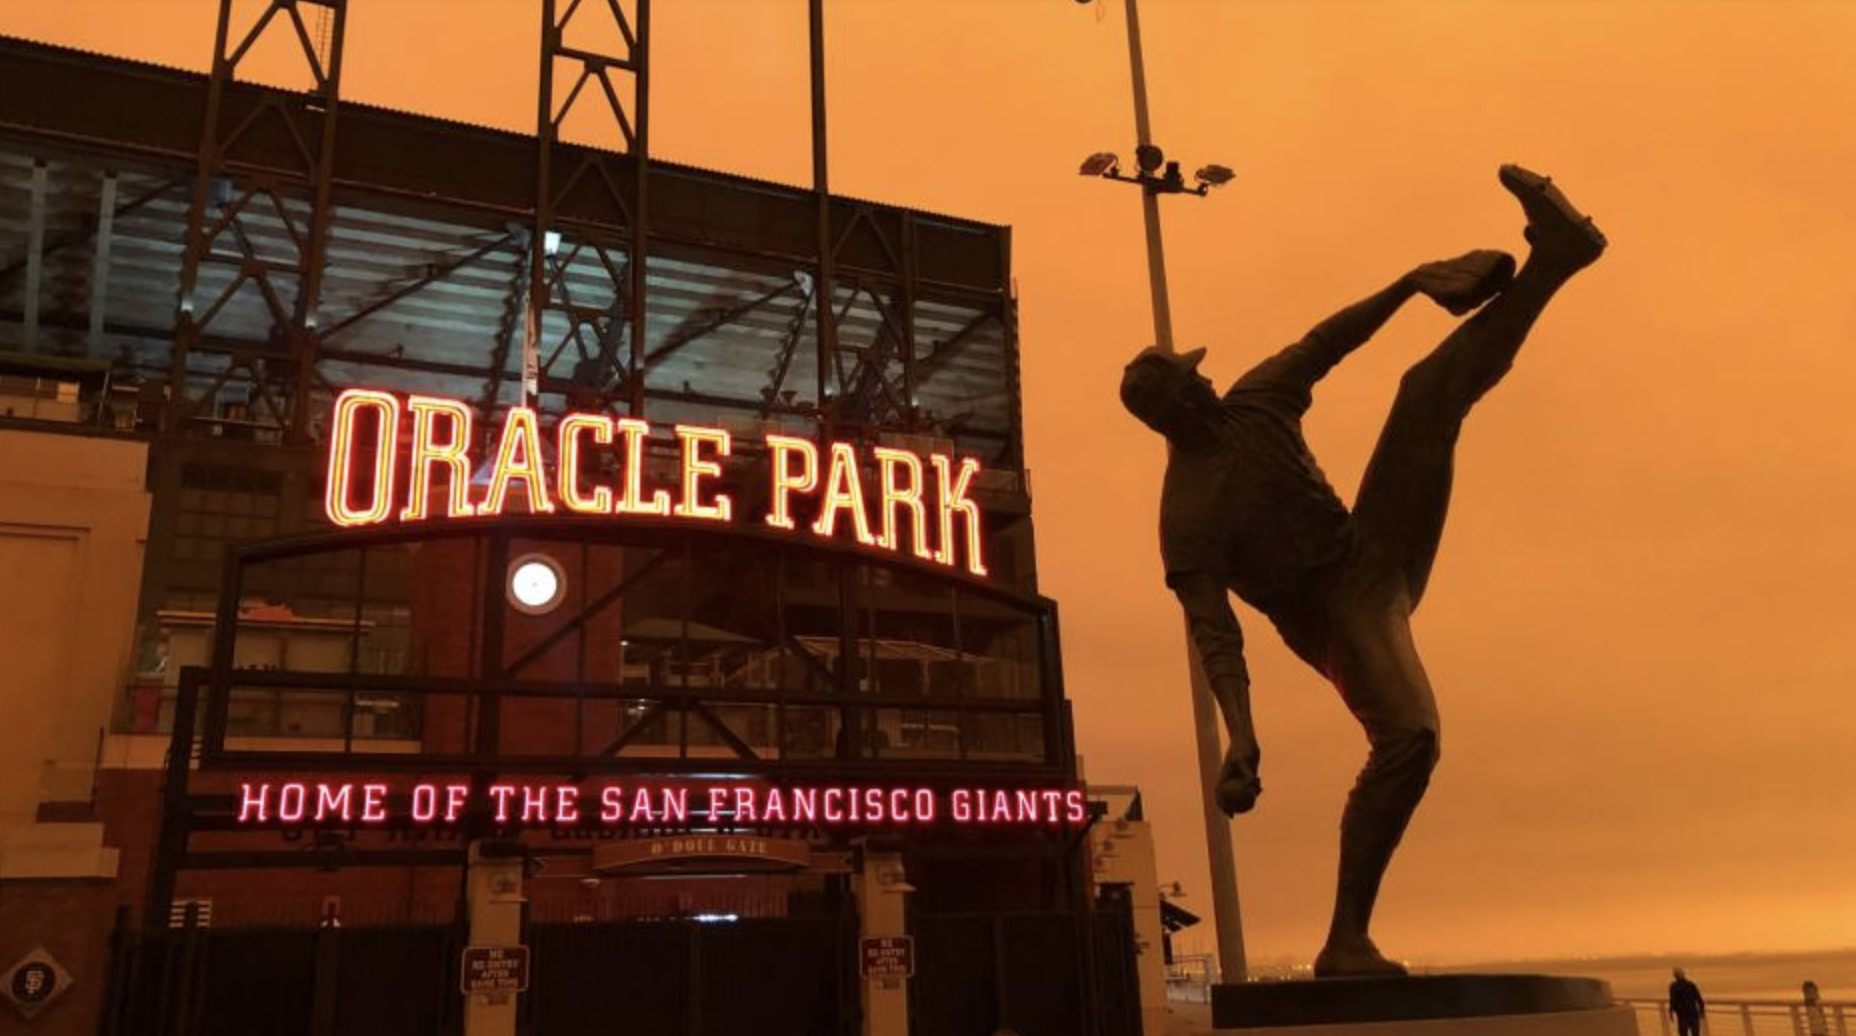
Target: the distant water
(1745, 976)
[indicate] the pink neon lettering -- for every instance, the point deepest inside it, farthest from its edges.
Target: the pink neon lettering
(254, 803)
(373, 802)
(502, 793)
(424, 803)
(292, 802)
(456, 797)
(1001, 806)
(676, 804)
(333, 800)
(641, 806)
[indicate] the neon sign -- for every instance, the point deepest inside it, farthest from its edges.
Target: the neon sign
(655, 806)
(383, 450)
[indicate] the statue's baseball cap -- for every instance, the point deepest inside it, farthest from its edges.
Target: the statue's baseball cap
(1155, 381)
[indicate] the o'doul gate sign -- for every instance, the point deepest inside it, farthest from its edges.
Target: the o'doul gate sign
(919, 504)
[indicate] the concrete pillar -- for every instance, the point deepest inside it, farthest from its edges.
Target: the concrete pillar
(1123, 854)
(882, 891)
(494, 883)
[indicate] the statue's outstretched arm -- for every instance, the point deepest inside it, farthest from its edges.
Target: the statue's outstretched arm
(1459, 285)
(1213, 625)
(1297, 368)
(1221, 651)
(1350, 328)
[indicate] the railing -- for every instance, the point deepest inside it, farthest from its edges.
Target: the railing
(1752, 1018)
(1189, 979)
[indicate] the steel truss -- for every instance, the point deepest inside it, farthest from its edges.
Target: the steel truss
(256, 308)
(217, 222)
(620, 49)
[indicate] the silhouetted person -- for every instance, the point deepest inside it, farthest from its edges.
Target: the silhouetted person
(1815, 1024)
(1246, 509)
(1686, 1005)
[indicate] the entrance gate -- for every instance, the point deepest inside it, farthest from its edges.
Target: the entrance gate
(1035, 973)
(770, 976)
(670, 978)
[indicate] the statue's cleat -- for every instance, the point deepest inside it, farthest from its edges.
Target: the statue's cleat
(1238, 785)
(1461, 284)
(1361, 961)
(1559, 232)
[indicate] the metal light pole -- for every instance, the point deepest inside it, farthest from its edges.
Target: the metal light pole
(1157, 177)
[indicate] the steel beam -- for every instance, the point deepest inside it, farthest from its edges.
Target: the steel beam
(950, 347)
(825, 324)
(629, 57)
(100, 261)
(310, 164)
(35, 255)
(77, 103)
(696, 330)
(435, 273)
(776, 378)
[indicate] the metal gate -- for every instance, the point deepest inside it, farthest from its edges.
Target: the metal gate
(1038, 974)
(770, 976)
(284, 982)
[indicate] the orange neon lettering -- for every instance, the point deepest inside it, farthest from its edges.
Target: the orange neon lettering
(953, 498)
(518, 457)
(631, 500)
(696, 468)
(843, 492)
(348, 408)
(428, 451)
(892, 463)
(785, 480)
(567, 459)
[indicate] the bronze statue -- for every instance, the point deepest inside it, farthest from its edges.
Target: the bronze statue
(1245, 508)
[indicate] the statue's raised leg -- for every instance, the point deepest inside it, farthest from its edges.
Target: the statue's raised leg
(1399, 514)
(1405, 492)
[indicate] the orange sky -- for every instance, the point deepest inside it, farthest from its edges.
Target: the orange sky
(1639, 628)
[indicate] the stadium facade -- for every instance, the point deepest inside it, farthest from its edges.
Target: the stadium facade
(423, 542)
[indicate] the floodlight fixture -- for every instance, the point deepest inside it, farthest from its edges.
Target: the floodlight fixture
(1172, 181)
(1214, 175)
(1149, 157)
(1102, 163)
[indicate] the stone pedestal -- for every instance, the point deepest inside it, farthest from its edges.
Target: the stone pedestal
(1429, 1005)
